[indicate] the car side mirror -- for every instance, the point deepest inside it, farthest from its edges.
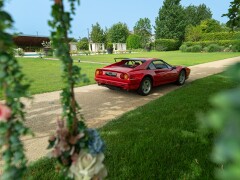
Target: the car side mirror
(174, 67)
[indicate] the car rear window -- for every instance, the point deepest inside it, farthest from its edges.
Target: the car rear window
(131, 63)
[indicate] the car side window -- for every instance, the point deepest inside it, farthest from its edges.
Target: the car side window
(160, 65)
(151, 66)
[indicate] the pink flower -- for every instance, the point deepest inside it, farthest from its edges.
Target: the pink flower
(5, 112)
(58, 2)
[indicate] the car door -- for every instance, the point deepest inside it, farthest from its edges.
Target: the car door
(163, 73)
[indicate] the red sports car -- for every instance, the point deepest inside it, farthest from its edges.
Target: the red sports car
(140, 74)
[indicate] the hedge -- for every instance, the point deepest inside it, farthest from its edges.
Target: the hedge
(220, 36)
(166, 44)
(225, 43)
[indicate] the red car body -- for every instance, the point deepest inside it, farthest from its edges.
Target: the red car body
(128, 74)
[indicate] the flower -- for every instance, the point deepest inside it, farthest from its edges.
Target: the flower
(95, 143)
(5, 112)
(58, 2)
(88, 166)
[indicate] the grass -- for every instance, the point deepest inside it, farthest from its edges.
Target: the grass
(46, 74)
(159, 140)
(172, 57)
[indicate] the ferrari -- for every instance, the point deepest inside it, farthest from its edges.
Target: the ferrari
(140, 74)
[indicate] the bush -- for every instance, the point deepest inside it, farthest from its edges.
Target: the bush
(236, 46)
(19, 52)
(214, 48)
(225, 43)
(183, 48)
(196, 48)
(219, 36)
(133, 42)
(166, 44)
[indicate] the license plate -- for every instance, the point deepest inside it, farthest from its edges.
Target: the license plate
(111, 74)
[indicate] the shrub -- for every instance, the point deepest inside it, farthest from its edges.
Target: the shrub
(219, 36)
(183, 48)
(133, 42)
(214, 48)
(19, 52)
(196, 48)
(236, 46)
(166, 44)
(225, 43)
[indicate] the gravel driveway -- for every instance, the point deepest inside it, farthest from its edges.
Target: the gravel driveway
(99, 106)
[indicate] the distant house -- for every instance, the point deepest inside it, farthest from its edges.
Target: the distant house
(119, 47)
(30, 43)
(96, 47)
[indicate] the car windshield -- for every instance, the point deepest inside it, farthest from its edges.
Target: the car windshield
(131, 63)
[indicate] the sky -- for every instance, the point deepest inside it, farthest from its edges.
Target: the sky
(31, 16)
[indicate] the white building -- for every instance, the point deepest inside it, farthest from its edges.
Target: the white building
(119, 47)
(96, 47)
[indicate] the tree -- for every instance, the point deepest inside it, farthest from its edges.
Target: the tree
(133, 41)
(97, 34)
(193, 33)
(143, 29)
(233, 15)
(83, 44)
(210, 25)
(118, 33)
(196, 14)
(170, 23)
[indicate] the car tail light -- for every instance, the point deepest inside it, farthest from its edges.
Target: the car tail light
(99, 72)
(124, 76)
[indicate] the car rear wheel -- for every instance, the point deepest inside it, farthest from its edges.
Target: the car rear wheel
(145, 86)
(181, 77)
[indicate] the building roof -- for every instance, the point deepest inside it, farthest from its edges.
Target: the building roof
(32, 41)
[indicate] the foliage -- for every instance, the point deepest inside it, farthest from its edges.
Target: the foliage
(225, 43)
(133, 41)
(223, 119)
(219, 36)
(19, 52)
(196, 48)
(143, 29)
(172, 134)
(233, 15)
(97, 34)
(170, 22)
(13, 87)
(166, 44)
(109, 45)
(196, 14)
(69, 144)
(193, 33)
(236, 46)
(46, 44)
(214, 48)
(210, 26)
(118, 33)
(83, 44)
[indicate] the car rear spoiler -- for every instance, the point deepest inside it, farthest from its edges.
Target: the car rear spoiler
(115, 59)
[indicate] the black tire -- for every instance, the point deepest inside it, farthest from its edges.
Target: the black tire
(145, 86)
(181, 78)
(111, 87)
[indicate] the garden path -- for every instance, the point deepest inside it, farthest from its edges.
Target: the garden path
(99, 106)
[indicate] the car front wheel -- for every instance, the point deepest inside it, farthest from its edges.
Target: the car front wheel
(181, 77)
(145, 86)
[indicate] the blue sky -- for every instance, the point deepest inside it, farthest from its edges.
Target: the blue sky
(31, 16)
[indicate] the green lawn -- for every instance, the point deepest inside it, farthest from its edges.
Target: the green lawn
(173, 57)
(159, 140)
(46, 74)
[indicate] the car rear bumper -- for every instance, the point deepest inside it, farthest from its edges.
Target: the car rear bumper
(130, 85)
